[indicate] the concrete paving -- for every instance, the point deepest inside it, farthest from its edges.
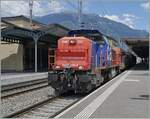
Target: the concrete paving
(12, 78)
(126, 96)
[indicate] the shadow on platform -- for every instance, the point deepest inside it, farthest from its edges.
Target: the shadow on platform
(141, 97)
(141, 66)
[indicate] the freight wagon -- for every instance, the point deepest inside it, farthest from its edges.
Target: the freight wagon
(84, 60)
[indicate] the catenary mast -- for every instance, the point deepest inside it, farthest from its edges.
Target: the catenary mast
(31, 7)
(79, 13)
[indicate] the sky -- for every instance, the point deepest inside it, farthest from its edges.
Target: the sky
(134, 13)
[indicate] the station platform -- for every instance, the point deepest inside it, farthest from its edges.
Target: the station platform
(125, 96)
(13, 78)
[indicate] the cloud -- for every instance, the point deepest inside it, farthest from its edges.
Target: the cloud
(130, 15)
(128, 19)
(40, 8)
(146, 5)
(12, 8)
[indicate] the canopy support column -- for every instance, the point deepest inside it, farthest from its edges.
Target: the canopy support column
(36, 53)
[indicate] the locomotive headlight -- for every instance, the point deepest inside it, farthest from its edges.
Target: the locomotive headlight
(57, 67)
(72, 41)
(80, 67)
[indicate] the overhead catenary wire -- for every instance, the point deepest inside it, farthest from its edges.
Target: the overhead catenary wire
(72, 5)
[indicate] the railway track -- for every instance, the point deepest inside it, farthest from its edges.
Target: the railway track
(23, 87)
(46, 109)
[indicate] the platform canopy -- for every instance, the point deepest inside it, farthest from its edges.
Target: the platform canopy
(55, 29)
(14, 33)
(139, 45)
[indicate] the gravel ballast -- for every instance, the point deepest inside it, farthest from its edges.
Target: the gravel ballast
(16, 103)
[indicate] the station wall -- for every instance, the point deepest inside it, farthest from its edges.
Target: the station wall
(11, 56)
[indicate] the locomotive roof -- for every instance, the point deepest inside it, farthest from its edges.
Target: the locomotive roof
(94, 33)
(97, 34)
(85, 32)
(89, 33)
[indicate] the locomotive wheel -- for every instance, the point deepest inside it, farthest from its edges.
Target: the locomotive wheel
(114, 72)
(109, 75)
(88, 87)
(57, 93)
(102, 79)
(118, 71)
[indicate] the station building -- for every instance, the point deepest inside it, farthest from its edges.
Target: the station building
(18, 49)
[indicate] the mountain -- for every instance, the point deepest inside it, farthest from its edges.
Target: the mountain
(104, 25)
